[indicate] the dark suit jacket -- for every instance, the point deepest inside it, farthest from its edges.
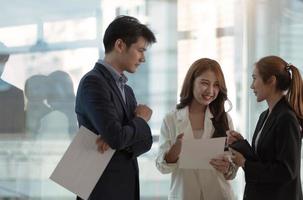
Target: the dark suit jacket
(275, 174)
(100, 108)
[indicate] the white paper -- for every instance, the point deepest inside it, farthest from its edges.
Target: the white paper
(196, 153)
(81, 165)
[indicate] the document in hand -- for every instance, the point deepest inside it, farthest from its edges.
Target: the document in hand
(81, 165)
(197, 153)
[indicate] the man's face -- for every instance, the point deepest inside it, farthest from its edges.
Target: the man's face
(133, 56)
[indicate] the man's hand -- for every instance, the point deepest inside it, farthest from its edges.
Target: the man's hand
(144, 112)
(233, 136)
(102, 145)
(173, 154)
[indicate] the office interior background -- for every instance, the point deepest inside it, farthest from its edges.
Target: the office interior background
(52, 44)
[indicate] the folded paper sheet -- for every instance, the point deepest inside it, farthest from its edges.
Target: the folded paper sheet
(81, 165)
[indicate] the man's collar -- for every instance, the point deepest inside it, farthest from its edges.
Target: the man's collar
(116, 75)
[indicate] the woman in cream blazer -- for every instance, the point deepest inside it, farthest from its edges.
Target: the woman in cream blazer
(203, 85)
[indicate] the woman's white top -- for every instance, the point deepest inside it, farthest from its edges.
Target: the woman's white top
(198, 133)
(190, 184)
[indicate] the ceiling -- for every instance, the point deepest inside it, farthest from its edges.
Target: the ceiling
(21, 12)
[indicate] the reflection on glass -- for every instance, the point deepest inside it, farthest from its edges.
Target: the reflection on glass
(11, 102)
(50, 106)
(36, 108)
(61, 99)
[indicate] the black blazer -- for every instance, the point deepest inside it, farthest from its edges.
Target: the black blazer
(100, 108)
(275, 172)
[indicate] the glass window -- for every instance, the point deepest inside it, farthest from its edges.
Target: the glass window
(12, 36)
(70, 30)
(39, 81)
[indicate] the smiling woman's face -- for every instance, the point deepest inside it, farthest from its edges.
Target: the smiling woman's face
(206, 88)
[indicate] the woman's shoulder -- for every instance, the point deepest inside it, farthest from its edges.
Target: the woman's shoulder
(230, 121)
(286, 114)
(176, 114)
(171, 114)
(228, 115)
(283, 110)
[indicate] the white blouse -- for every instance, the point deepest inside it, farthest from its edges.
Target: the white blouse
(198, 133)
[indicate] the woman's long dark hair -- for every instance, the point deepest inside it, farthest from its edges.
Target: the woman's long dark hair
(220, 121)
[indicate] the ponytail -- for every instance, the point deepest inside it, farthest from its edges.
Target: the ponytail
(295, 92)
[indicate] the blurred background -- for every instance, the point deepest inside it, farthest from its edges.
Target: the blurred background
(47, 46)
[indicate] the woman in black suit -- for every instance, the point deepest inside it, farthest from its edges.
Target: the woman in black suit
(273, 170)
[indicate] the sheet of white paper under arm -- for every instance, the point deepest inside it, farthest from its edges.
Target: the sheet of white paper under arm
(81, 165)
(196, 153)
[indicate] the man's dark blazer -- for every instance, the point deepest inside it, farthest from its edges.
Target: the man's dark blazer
(101, 108)
(275, 174)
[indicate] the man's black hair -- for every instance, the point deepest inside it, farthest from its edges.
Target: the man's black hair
(128, 29)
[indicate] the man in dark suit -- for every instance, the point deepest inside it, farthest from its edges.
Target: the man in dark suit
(108, 107)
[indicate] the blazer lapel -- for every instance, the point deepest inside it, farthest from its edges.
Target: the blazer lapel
(113, 85)
(131, 102)
(258, 127)
(208, 125)
(269, 122)
(183, 124)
